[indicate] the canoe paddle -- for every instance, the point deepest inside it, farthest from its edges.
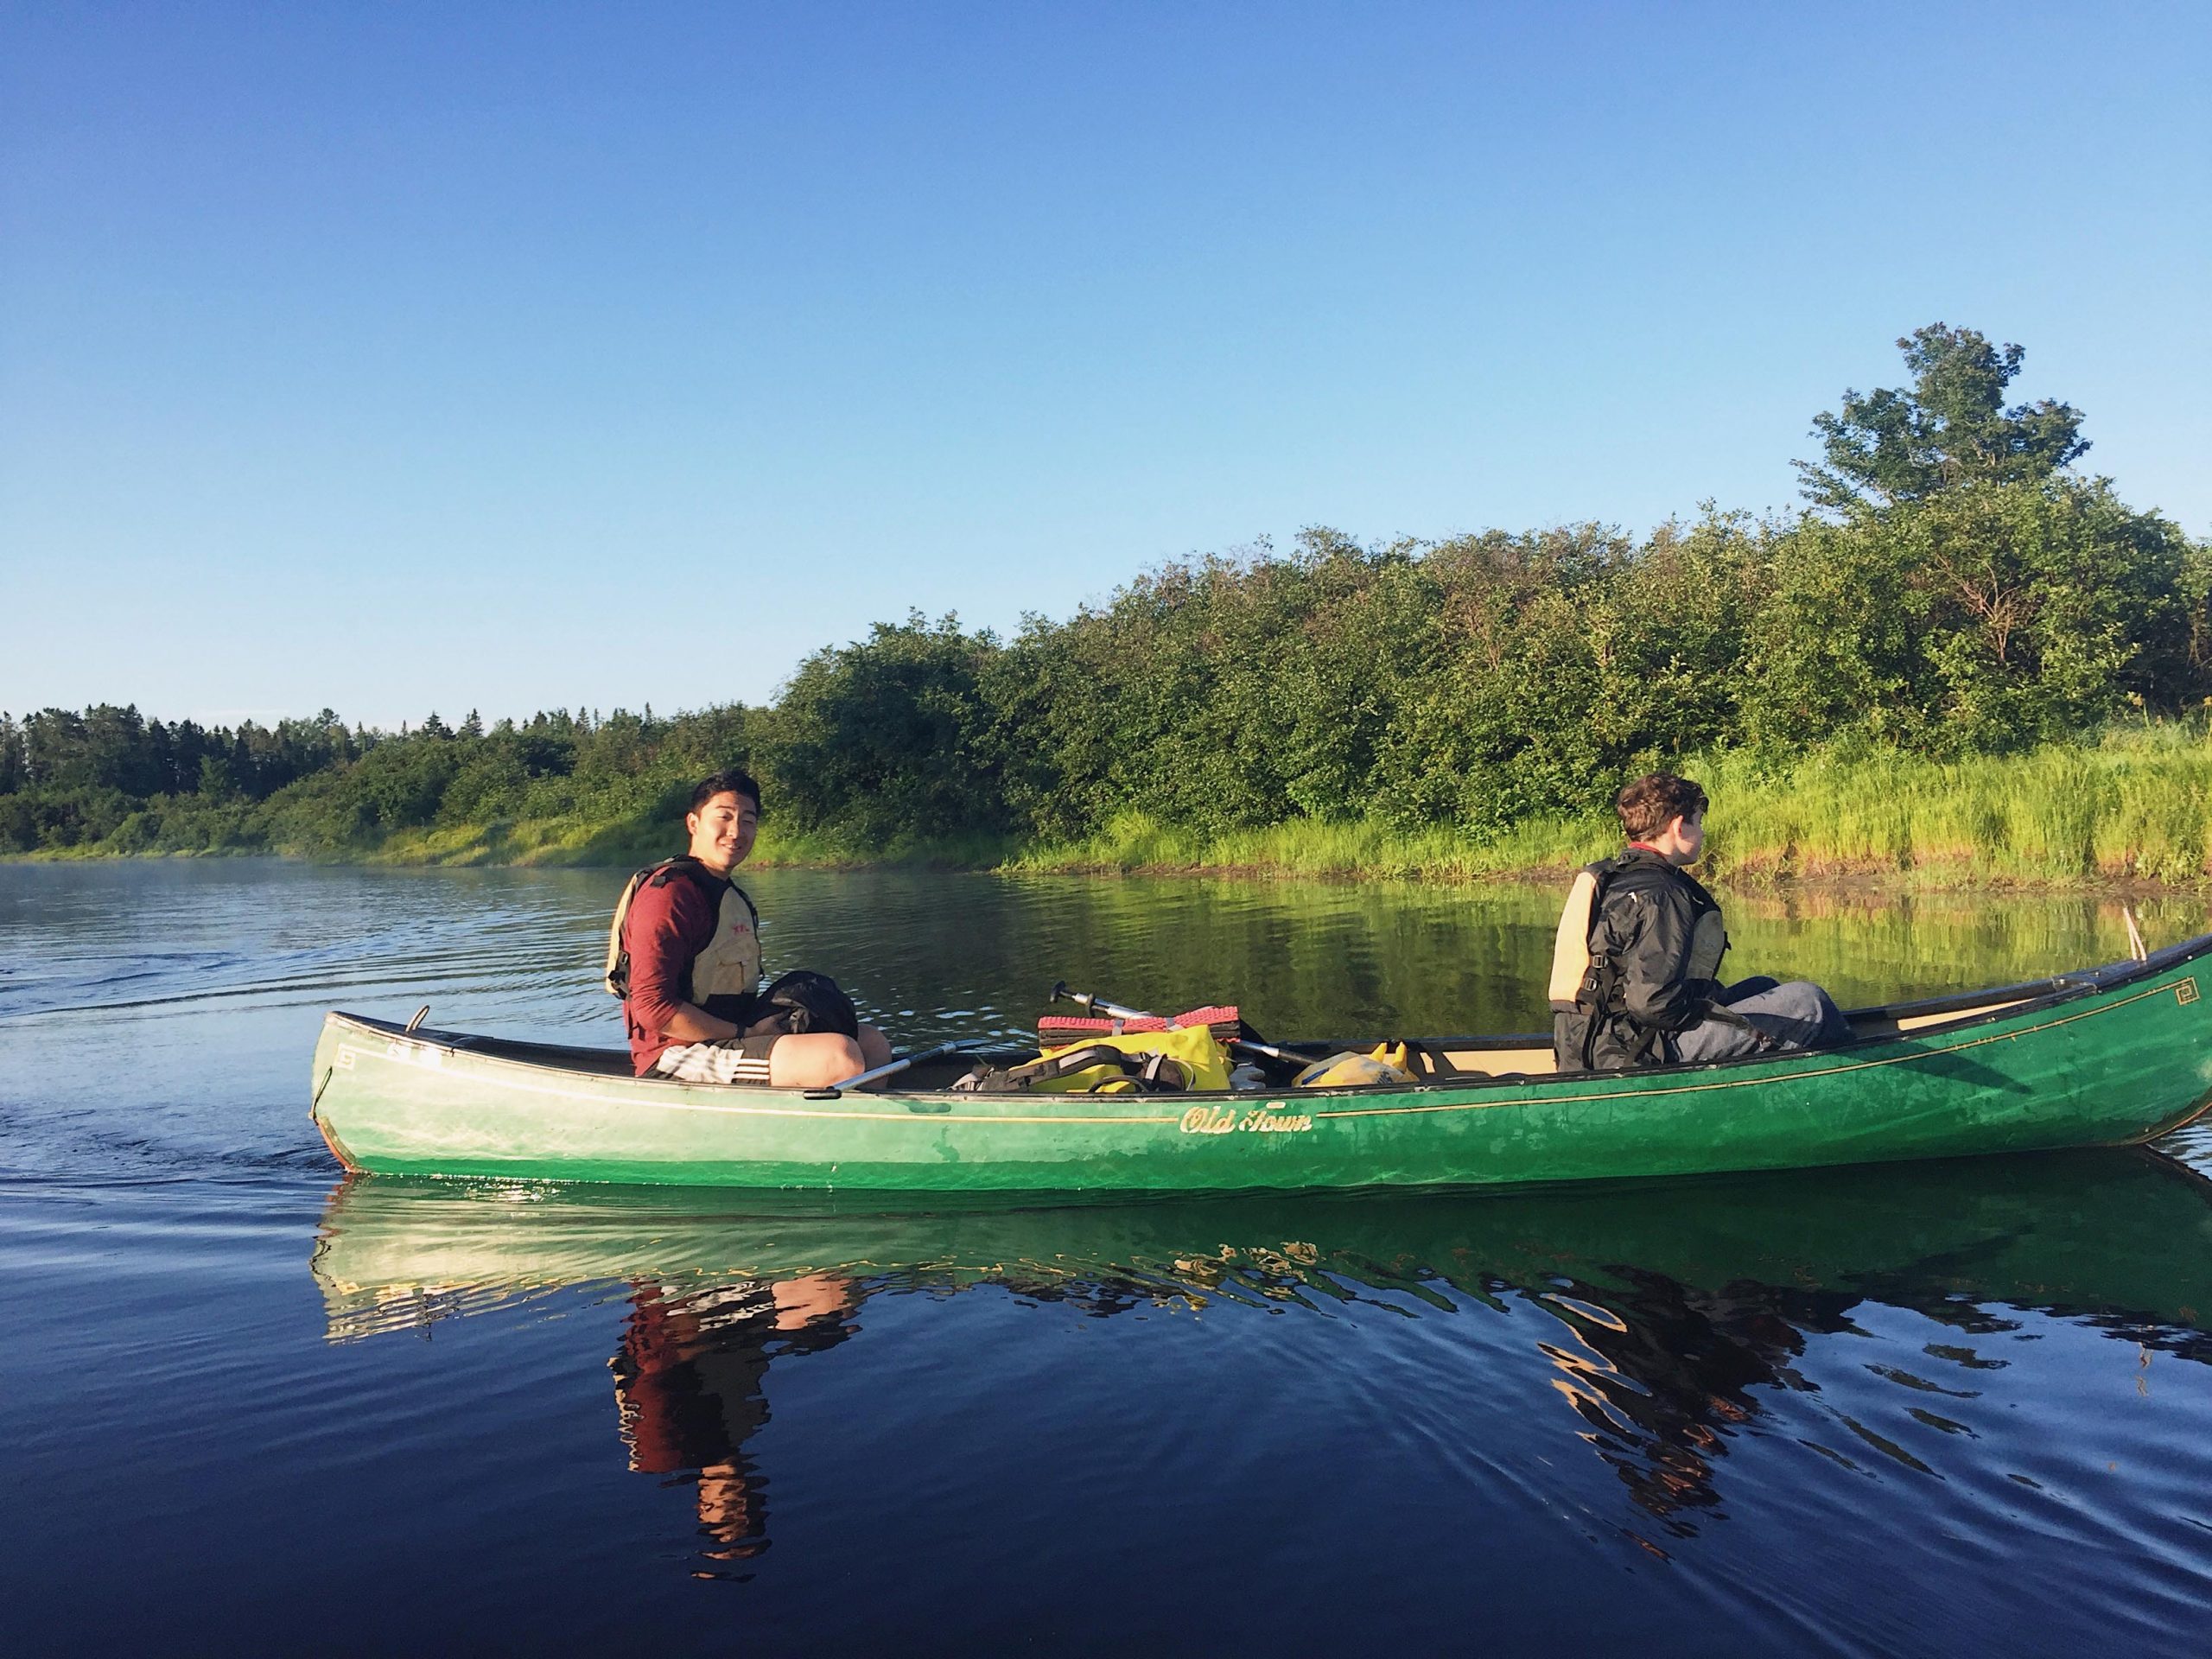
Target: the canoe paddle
(899, 1064)
(1099, 1005)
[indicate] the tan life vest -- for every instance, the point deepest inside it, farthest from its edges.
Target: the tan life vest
(729, 966)
(1571, 947)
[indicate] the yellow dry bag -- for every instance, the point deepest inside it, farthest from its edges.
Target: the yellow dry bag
(1389, 1062)
(1203, 1060)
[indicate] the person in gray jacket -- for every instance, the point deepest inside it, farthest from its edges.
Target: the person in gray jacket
(1636, 967)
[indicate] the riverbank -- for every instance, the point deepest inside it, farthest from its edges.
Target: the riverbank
(2131, 810)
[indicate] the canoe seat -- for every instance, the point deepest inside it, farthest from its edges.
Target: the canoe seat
(1880, 1022)
(1493, 1062)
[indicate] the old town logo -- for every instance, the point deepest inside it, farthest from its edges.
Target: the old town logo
(1269, 1119)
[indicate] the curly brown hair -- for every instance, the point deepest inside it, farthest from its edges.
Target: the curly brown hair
(1655, 800)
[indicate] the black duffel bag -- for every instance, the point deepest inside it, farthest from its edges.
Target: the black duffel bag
(802, 1002)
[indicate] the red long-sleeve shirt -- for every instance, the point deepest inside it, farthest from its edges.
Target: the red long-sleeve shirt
(667, 926)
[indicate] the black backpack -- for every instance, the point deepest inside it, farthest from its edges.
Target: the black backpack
(802, 1002)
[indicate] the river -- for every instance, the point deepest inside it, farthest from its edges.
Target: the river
(1952, 1408)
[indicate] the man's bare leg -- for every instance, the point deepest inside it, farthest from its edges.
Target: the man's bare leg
(815, 1059)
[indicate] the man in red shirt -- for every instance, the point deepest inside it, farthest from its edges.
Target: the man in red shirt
(691, 939)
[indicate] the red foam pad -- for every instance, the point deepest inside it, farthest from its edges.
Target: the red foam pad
(1224, 1021)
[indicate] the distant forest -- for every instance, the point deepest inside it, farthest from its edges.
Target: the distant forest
(1954, 588)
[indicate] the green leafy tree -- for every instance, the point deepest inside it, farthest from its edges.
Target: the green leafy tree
(1504, 722)
(884, 739)
(18, 823)
(1667, 629)
(1973, 621)
(1950, 428)
(2193, 590)
(2049, 603)
(1838, 645)
(403, 779)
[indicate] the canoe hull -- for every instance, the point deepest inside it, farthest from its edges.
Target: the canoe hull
(2113, 1062)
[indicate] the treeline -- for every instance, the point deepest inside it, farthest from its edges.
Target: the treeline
(1479, 681)
(110, 780)
(1470, 683)
(1955, 591)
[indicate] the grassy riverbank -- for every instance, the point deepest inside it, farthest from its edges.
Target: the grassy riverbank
(2134, 806)
(557, 842)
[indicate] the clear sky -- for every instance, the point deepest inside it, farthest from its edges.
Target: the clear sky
(408, 356)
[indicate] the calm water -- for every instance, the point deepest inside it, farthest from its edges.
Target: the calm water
(1940, 1409)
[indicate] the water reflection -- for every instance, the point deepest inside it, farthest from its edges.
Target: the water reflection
(689, 1385)
(1681, 1325)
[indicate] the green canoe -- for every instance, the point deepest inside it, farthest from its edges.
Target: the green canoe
(2109, 1057)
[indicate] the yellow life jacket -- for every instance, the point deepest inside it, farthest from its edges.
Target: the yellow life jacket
(730, 964)
(1386, 1062)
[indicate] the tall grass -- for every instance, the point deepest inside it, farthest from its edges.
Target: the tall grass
(2133, 805)
(561, 841)
(1308, 847)
(2130, 807)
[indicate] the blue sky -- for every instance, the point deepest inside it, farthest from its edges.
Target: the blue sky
(398, 357)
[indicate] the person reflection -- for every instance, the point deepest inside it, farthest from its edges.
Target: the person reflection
(1662, 1375)
(688, 1386)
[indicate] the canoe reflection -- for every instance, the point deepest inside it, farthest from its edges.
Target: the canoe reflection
(1679, 1315)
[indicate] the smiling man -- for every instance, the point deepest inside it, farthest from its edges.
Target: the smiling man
(1636, 967)
(684, 956)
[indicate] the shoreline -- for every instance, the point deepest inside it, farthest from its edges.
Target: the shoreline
(2124, 811)
(1868, 879)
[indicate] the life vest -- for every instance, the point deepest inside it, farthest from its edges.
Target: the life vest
(730, 964)
(1589, 996)
(1708, 943)
(1571, 945)
(1386, 1062)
